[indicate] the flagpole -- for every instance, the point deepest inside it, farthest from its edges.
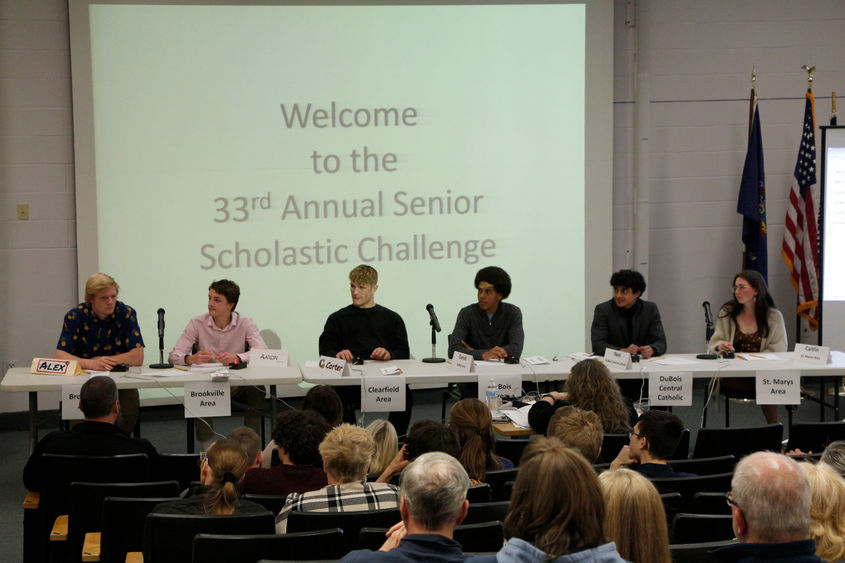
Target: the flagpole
(752, 101)
(810, 70)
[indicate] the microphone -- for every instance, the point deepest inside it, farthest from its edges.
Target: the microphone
(708, 314)
(161, 322)
(434, 322)
(710, 329)
(161, 363)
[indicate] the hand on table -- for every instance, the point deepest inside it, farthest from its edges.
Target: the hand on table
(98, 363)
(201, 357)
(646, 351)
(380, 354)
(345, 355)
(725, 346)
(226, 358)
(633, 349)
(495, 353)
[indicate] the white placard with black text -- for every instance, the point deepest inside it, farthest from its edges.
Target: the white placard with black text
(207, 398)
(778, 387)
(333, 366)
(813, 354)
(670, 388)
(383, 393)
(507, 384)
(463, 362)
(617, 359)
(268, 358)
(70, 402)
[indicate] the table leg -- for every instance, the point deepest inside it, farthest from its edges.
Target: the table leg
(189, 424)
(33, 420)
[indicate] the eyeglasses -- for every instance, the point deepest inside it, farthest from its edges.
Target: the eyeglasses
(632, 433)
(730, 500)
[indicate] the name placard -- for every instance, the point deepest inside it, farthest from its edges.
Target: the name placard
(670, 388)
(332, 366)
(813, 354)
(269, 358)
(778, 387)
(617, 359)
(508, 384)
(70, 402)
(383, 395)
(463, 362)
(207, 398)
(49, 366)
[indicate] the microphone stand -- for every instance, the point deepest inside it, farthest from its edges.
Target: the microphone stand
(161, 363)
(707, 355)
(433, 359)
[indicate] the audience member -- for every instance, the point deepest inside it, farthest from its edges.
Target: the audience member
(770, 506)
(634, 517)
(827, 510)
(223, 467)
(589, 387)
(432, 502)
(472, 424)
(346, 452)
(423, 437)
(250, 441)
(556, 511)
(834, 456)
(386, 444)
(101, 333)
(98, 434)
(578, 429)
(653, 440)
(298, 434)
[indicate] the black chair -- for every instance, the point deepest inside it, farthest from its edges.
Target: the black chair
(273, 503)
(704, 465)
(182, 467)
(611, 444)
(709, 503)
(697, 552)
(486, 512)
(497, 479)
(484, 537)
(672, 504)
(479, 493)
(511, 449)
(682, 449)
(123, 526)
(86, 506)
(697, 528)
(814, 436)
(300, 546)
(350, 522)
(738, 442)
(688, 486)
(168, 538)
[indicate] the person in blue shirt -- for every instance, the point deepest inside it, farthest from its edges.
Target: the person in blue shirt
(653, 440)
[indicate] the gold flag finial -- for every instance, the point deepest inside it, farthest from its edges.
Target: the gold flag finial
(810, 70)
(753, 78)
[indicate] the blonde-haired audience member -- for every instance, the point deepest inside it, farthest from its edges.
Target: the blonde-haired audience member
(346, 451)
(834, 456)
(579, 429)
(635, 519)
(386, 444)
(827, 510)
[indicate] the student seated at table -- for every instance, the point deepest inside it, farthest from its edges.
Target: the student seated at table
(222, 335)
(366, 331)
(749, 322)
(222, 469)
(472, 424)
(653, 440)
(589, 387)
(101, 333)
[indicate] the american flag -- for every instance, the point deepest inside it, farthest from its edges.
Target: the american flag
(800, 239)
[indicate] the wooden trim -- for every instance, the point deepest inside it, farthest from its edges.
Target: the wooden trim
(59, 531)
(32, 500)
(91, 547)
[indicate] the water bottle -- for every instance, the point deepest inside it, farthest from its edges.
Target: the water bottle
(492, 396)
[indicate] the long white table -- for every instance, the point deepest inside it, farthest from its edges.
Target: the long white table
(21, 380)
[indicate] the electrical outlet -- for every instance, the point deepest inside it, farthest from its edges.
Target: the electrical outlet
(23, 212)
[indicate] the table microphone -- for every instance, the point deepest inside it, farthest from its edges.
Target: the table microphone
(161, 364)
(435, 328)
(708, 321)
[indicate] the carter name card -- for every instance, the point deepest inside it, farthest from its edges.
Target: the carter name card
(269, 358)
(670, 388)
(70, 402)
(207, 398)
(813, 354)
(332, 366)
(463, 362)
(383, 395)
(780, 387)
(617, 359)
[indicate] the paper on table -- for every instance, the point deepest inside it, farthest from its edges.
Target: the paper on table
(519, 416)
(674, 361)
(758, 356)
(206, 367)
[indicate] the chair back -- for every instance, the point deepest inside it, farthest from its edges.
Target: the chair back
(273, 503)
(611, 445)
(511, 449)
(486, 512)
(169, 538)
(709, 503)
(497, 479)
(479, 493)
(682, 449)
(350, 522)
(86, 505)
(672, 504)
(697, 528)
(697, 552)
(688, 486)
(814, 436)
(481, 537)
(738, 442)
(182, 467)
(299, 546)
(122, 528)
(704, 465)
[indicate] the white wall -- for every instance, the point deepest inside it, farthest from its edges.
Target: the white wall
(699, 56)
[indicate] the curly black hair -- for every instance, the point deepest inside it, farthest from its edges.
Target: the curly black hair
(300, 432)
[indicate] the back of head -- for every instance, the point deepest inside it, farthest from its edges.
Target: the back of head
(578, 429)
(472, 423)
(386, 444)
(228, 289)
(556, 503)
(635, 518)
(773, 495)
(324, 400)
(97, 396)
(495, 276)
(827, 513)
(346, 452)
(834, 456)
(300, 433)
(663, 430)
(628, 278)
(591, 387)
(434, 487)
(97, 283)
(227, 462)
(431, 436)
(249, 440)
(363, 275)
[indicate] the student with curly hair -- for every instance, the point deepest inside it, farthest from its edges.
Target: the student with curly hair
(472, 423)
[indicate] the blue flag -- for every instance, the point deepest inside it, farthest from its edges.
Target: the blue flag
(752, 202)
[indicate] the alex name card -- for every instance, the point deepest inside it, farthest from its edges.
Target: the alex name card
(207, 398)
(813, 354)
(383, 395)
(333, 366)
(670, 388)
(617, 359)
(463, 362)
(778, 387)
(269, 358)
(49, 366)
